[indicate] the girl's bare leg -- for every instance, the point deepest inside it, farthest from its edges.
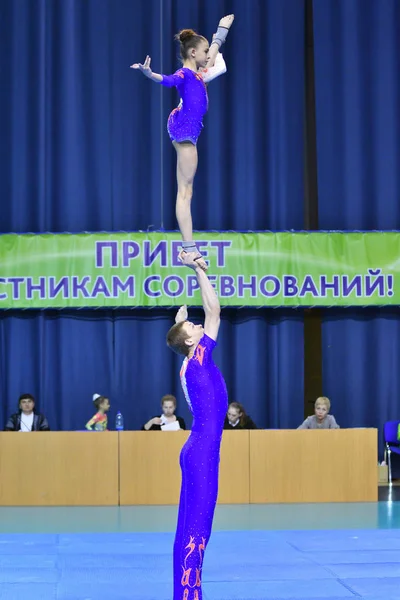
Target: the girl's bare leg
(186, 168)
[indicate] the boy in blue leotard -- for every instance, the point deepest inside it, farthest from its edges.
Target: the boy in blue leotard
(207, 397)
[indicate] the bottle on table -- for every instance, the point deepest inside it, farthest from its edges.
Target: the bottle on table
(119, 422)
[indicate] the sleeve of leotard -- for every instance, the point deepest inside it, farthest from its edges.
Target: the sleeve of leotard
(218, 69)
(203, 352)
(175, 80)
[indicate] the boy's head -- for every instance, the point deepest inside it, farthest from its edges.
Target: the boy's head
(322, 407)
(183, 336)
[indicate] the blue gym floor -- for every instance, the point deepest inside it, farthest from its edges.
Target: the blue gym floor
(269, 552)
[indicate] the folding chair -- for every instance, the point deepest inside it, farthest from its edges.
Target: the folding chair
(390, 434)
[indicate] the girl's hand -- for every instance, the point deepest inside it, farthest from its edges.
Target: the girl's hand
(226, 21)
(145, 68)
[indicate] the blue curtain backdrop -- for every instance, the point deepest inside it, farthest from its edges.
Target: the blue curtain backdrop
(84, 148)
(357, 78)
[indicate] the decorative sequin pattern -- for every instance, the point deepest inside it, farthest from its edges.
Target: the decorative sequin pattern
(206, 393)
(186, 121)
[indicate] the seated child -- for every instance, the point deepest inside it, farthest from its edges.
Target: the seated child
(99, 421)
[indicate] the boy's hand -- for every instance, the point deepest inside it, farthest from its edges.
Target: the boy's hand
(193, 260)
(182, 314)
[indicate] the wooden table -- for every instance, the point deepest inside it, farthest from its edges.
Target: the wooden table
(142, 467)
(58, 468)
(150, 472)
(314, 466)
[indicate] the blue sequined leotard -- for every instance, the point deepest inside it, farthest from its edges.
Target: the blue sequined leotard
(186, 121)
(207, 396)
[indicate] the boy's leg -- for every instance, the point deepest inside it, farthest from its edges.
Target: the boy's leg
(200, 466)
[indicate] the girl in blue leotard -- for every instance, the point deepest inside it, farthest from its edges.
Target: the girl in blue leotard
(201, 63)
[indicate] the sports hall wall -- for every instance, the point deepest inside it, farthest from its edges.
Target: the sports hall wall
(84, 148)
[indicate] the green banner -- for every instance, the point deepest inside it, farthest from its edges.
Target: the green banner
(246, 269)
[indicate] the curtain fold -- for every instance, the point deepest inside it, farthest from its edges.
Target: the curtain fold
(357, 83)
(357, 86)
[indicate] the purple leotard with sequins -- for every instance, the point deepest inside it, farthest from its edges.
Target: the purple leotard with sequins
(186, 121)
(206, 394)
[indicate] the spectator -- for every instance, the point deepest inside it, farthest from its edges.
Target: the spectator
(26, 419)
(99, 421)
(321, 419)
(236, 418)
(168, 421)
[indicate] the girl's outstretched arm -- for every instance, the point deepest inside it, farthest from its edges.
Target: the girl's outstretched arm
(219, 38)
(145, 68)
(174, 80)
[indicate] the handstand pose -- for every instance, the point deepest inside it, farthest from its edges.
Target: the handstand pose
(201, 64)
(207, 397)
